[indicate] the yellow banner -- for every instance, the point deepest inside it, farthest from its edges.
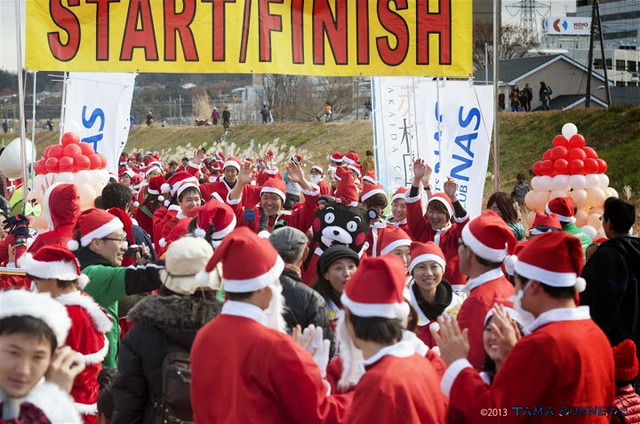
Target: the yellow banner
(303, 37)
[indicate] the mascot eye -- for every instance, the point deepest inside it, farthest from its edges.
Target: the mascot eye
(352, 226)
(329, 218)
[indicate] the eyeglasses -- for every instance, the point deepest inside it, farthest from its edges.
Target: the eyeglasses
(119, 240)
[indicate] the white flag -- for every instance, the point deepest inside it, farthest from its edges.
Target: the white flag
(98, 106)
(446, 123)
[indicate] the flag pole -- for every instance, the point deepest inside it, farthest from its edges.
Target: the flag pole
(496, 103)
(23, 141)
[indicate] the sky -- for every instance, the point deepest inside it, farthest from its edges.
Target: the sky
(8, 57)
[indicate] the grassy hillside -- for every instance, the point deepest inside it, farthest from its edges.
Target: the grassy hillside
(614, 133)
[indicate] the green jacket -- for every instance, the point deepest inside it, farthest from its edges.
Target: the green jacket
(107, 284)
(572, 229)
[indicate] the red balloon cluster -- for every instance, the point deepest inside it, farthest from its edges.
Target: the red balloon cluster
(70, 156)
(569, 157)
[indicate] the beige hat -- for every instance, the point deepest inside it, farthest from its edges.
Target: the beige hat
(186, 257)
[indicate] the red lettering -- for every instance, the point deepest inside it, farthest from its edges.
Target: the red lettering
(266, 24)
(218, 32)
(362, 31)
(102, 27)
(433, 23)
(246, 24)
(145, 37)
(335, 29)
(297, 35)
(179, 23)
(393, 23)
(68, 22)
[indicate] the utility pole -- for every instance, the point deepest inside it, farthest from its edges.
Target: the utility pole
(596, 26)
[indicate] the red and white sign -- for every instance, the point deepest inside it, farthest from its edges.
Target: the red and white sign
(566, 26)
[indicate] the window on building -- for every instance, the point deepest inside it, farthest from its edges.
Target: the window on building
(631, 66)
(597, 63)
(619, 83)
(619, 65)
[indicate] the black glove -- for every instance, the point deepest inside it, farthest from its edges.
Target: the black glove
(264, 220)
(18, 225)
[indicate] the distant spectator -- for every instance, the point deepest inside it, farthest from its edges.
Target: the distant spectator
(264, 112)
(367, 108)
(5, 126)
(215, 116)
(545, 95)
(149, 119)
(226, 117)
(326, 112)
(528, 91)
(369, 163)
(513, 97)
(520, 190)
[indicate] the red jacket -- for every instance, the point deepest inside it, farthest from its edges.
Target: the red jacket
(628, 401)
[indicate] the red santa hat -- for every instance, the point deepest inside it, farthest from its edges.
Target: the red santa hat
(511, 313)
(376, 289)
(444, 199)
(562, 207)
(136, 182)
(150, 168)
(626, 360)
(153, 160)
(371, 190)
(510, 260)
(125, 171)
(399, 194)
(94, 224)
(370, 177)
(240, 275)
(355, 167)
(218, 214)
(543, 223)
(155, 186)
(336, 157)
(391, 238)
(55, 262)
(60, 192)
(184, 184)
(350, 158)
(122, 161)
(217, 165)
(20, 303)
(173, 183)
(554, 259)
(423, 252)
(346, 190)
(232, 161)
(275, 185)
(220, 156)
(318, 168)
(489, 237)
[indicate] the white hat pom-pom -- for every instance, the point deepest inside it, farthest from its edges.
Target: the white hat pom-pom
(199, 232)
(83, 280)
(434, 326)
(202, 278)
(161, 198)
(581, 284)
(166, 188)
(73, 245)
(163, 242)
(136, 204)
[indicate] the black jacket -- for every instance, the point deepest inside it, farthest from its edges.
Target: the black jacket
(613, 290)
(158, 323)
(304, 305)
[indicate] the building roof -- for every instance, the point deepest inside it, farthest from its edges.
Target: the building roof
(512, 70)
(569, 101)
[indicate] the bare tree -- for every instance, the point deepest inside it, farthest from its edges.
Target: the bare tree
(513, 43)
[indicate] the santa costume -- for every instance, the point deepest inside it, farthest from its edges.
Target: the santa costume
(61, 207)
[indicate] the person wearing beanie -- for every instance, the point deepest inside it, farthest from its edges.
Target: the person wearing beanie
(100, 245)
(563, 360)
(334, 268)
(36, 371)
(305, 306)
(60, 208)
(257, 372)
(162, 324)
(271, 199)
(398, 384)
(56, 271)
(565, 209)
(627, 400)
(443, 222)
(483, 246)
(429, 293)
(612, 274)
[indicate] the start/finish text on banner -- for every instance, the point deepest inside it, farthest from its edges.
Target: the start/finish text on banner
(356, 37)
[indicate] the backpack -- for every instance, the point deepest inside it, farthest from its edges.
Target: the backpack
(175, 403)
(549, 90)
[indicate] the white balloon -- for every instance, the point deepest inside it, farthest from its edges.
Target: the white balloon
(38, 181)
(611, 192)
(560, 182)
(73, 127)
(592, 232)
(569, 130)
(601, 232)
(545, 182)
(535, 183)
(65, 177)
(578, 182)
(82, 177)
(10, 160)
(604, 180)
(592, 180)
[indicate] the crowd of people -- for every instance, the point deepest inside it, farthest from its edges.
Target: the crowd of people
(224, 290)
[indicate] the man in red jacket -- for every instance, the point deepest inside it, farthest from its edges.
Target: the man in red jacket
(562, 370)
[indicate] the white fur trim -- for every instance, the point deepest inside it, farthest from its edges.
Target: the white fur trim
(393, 245)
(368, 179)
(372, 193)
(410, 199)
(441, 200)
(424, 258)
(550, 278)
(482, 250)
(185, 185)
(96, 357)
(451, 374)
(231, 201)
(315, 192)
(223, 232)
(274, 190)
(354, 168)
(174, 208)
(99, 317)
(255, 283)
(460, 219)
(61, 270)
(102, 231)
(195, 165)
(83, 280)
(317, 168)
(232, 163)
(346, 160)
(561, 218)
(56, 404)
(86, 409)
(400, 196)
(382, 310)
(216, 195)
(73, 245)
(271, 171)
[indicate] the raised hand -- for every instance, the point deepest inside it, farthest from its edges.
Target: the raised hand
(296, 175)
(65, 366)
(427, 175)
(246, 174)
(419, 169)
(452, 342)
(450, 188)
(506, 330)
(198, 156)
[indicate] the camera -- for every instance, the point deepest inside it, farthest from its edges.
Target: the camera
(133, 250)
